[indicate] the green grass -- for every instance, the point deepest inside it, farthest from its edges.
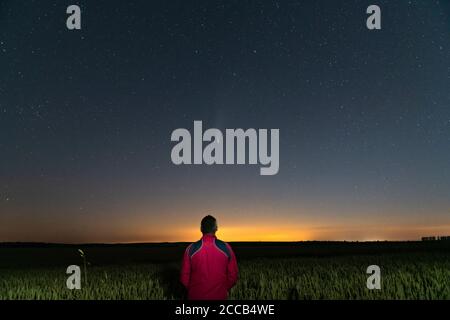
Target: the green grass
(404, 276)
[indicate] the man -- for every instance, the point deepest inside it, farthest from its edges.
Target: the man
(209, 269)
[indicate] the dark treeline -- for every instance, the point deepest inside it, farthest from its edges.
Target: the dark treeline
(17, 255)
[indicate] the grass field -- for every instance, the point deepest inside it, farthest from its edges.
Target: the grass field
(267, 271)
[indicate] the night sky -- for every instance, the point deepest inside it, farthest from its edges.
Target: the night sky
(86, 118)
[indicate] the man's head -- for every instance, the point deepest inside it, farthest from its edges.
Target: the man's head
(208, 225)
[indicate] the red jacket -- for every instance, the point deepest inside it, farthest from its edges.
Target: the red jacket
(209, 269)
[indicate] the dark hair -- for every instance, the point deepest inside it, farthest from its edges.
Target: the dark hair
(208, 224)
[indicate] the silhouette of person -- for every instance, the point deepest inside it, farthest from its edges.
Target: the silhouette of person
(209, 268)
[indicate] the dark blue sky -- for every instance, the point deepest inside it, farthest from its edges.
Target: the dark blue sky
(86, 118)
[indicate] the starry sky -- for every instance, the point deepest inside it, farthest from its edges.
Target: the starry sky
(86, 118)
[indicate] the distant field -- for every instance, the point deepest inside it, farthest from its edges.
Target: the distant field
(310, 270)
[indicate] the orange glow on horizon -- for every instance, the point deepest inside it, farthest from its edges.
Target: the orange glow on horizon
(255, 234)
(234, 227)
(311, 233)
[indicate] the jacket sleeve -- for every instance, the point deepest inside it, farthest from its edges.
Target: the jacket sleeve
(232, 269)
(185, 273)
